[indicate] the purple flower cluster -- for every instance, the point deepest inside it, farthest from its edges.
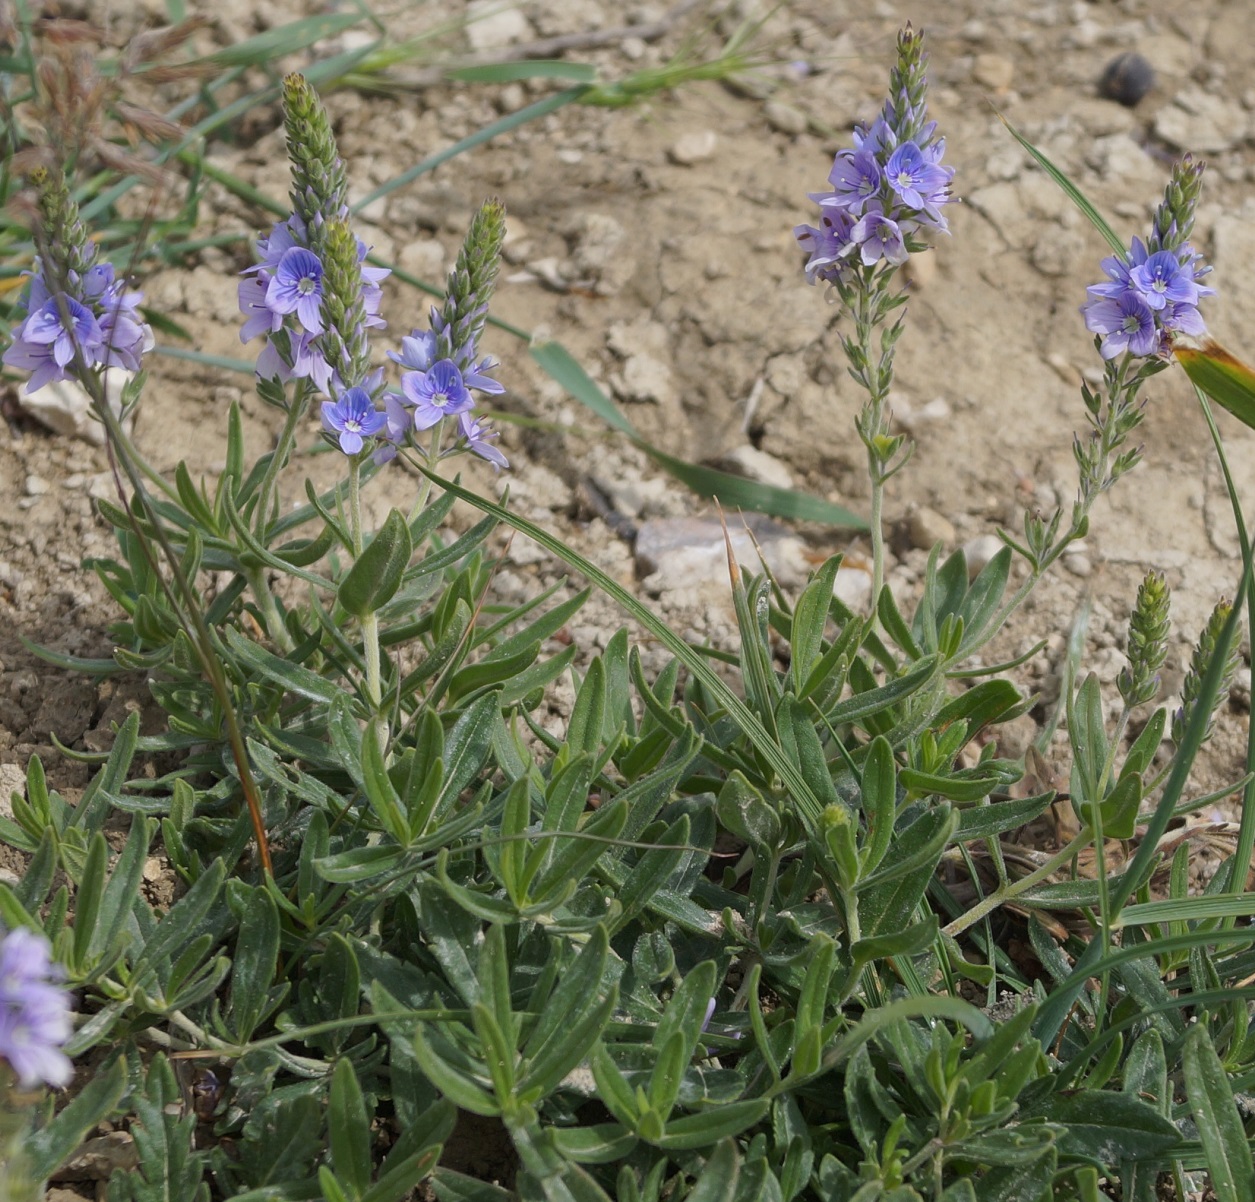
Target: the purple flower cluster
(95, 321)
(433, 389)
(281, 297)
(885, 190)
(1148, 297)
(34, 1010)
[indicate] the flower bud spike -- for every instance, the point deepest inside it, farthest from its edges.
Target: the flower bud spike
(1204, 652)
(1149, 625)
(471, 282)
(319, 185)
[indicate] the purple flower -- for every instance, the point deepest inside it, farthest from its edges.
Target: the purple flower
(479, 439)
(352, 417)
(885, 190)
(878, 237)
(104, 327)
(827, 244)
(296, 287)
(1183, 318)
(420, 348)
(285, 289)
(34, 1010)
(855, 178)
(1145, 298)
(917, 180)
(262, 319)
(1164, 280)
(418, 351)
(1125, 322)
(436, 393)
(398, 422)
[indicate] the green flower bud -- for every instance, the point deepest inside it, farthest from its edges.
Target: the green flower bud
(1147, 642)
(1204, 653)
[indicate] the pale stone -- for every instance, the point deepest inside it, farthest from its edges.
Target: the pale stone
(65, 408)
(693, 147)
(757, 465)
(979, 551)
(926, 528)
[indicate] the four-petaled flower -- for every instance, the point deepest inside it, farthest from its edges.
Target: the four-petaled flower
(34, 1010)
(296, 287)
(1126, 323)
(436, 393)
(353, 418)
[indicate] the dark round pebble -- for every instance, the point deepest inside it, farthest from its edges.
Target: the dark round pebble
(1126, 79)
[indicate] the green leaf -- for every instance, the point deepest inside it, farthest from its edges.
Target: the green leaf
(1187, 909)
(459, 1089)
(700, 1130)
(47, 1148)
(599, 1143)
(256, 959)
(87, 901)
(651, 872)
(168, 1168)
(986, 821)
(719, 1175)
(1222, 376)
(1220, 1129)
(374, 579)
(348, 1130)
(283, 1134)
(742, 809)
(292, 678)
(810, 618)
(880, 800)
(452, 1186)
(800, 742)
(1145, 1077)
(378, 786)
(873, 701)
(121, 891)
(1104, 1127)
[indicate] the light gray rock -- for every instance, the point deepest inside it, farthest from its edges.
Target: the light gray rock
(681, 553)
(491, 25)
(757, 465)
(65, 408)
(694, 147)
(925, 527)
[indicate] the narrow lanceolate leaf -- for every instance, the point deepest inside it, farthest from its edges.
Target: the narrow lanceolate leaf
(1216, 1114)
(1222, 376)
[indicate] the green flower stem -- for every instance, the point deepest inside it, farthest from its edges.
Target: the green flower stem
(433, 457)
(1013, 889)
(1245, 846)
(16, 1184)
(878, 534)
(266, 513)
(280, 456)
(370, 621)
